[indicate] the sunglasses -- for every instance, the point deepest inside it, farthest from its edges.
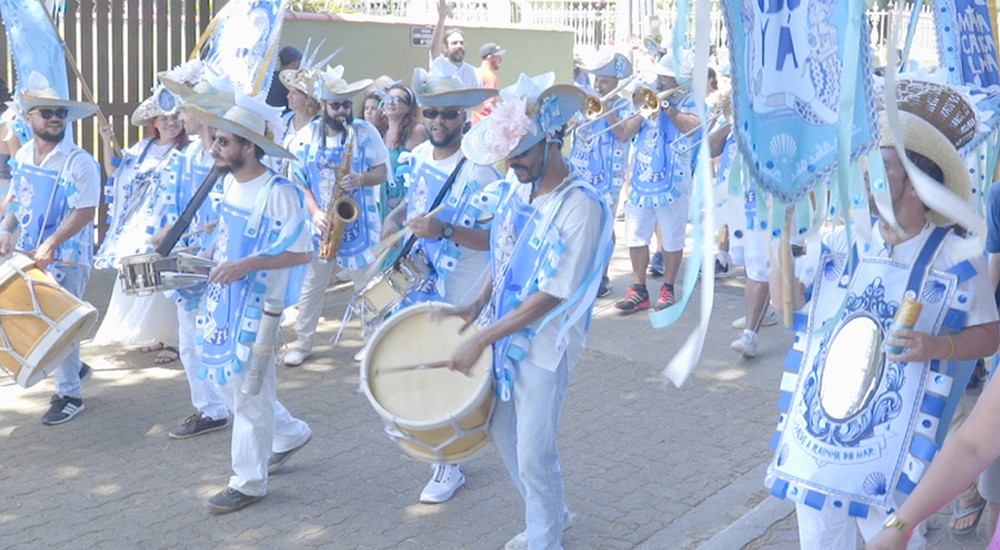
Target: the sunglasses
(395, 99)
(431, 114)
(49, 113)
(338, 105)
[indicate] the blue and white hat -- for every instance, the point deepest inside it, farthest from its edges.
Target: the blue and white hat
(609, 64)
(441, 87)
(530, 111)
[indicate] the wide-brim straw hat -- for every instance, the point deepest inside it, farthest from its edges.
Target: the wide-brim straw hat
(437, 91)
(162, 103)
(237, 120)
(331, 85)
(935, 121)
(47, 97)
(302, 79)
(518, 123)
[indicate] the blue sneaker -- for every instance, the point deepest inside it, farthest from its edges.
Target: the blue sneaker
(656, 264)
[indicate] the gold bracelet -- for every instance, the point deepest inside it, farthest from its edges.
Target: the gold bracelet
(951, 342)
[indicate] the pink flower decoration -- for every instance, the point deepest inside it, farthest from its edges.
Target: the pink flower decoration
(508, 125)
(189, 72)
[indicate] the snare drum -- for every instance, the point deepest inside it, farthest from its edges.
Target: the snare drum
(40, 321)
(143, 274)
(435, 414)
(388, 289)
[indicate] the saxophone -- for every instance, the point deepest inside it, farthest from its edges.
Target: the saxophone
(341, 210)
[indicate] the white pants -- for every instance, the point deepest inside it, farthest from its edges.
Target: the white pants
(832, 529)
(204, 396)
(753, 253)
(261, 425)
(311, 303)
(524, 430)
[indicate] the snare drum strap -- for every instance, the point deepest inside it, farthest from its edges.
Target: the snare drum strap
(437, 200)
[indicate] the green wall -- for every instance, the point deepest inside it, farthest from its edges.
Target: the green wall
(374, 48)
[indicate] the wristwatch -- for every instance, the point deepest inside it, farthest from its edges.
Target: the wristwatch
(447, 231)
(895, 522)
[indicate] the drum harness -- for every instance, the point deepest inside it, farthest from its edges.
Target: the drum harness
(352, 305)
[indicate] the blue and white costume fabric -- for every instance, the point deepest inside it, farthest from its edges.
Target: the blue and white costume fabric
(318, 157)
(457, 268)
(870, 458)
(67, 179)
(263, 217)
(659, 174)
(549, 245)
(135, 201)
(602, 161)
(558, 244)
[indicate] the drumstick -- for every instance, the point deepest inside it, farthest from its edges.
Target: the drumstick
(418, 366)
(32, 254)
(391, 240)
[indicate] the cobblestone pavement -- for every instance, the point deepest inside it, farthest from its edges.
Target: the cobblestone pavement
(647, 465)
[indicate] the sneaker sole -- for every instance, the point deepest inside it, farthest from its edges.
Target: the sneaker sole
(219, 510)
(173, 435)
(631, 311)
(277, 466)
(744, 352)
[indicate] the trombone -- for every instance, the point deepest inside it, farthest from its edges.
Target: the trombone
(648, 104)
(725, 112)
(594, 108)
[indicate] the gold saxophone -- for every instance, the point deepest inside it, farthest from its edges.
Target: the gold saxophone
(341, 210)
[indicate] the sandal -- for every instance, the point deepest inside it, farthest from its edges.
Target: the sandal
(155, 347)
(168, 354)
(962, 512)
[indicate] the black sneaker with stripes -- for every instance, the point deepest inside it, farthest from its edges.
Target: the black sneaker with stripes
(63, 409)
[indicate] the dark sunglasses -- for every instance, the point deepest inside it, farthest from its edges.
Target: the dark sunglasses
(431, 114)
(396, 99)
(338, 105)
(49, 113)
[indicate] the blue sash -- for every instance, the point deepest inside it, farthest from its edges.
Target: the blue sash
(228, 324)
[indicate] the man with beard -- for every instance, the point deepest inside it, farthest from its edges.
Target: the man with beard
(54, 195)
(455, 240)
(550, 241)
(261, 246)
(449, 47)
(320, 149)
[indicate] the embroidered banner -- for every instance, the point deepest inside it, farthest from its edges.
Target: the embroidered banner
(787, 65)
(966, 44)
(244, 43)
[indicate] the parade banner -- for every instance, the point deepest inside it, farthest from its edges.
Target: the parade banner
(34, 44)
(966, 42)
(787, 69)
(244, 43)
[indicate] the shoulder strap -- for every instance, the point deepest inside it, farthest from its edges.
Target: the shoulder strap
(437, 200)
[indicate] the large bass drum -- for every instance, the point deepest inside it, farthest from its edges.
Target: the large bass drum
(434, 413)
(40, 321)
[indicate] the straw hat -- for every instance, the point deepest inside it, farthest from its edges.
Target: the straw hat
(331, 86)
(303, 79)
(608, 63)
(246, 117)
(36, 98)
(161, 103)
(441, 87)
(935, 121)
(531, 110)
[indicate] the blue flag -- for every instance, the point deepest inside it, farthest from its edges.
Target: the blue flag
(34, 44)
(244, 43)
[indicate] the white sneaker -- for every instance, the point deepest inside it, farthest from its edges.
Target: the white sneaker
(770, 318)
(446, 480)
(295, 358)
(746, 344)
(520, 540)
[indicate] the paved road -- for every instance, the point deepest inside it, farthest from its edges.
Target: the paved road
(647, 465)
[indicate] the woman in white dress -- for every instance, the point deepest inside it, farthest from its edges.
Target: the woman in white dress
(135, 214)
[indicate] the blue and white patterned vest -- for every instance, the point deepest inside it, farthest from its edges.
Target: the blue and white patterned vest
(601, 161)
(861, 460)
(659, 174)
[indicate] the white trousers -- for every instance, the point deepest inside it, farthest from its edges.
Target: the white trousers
(204, 396)
(524, 430)
(311, 303)
(261, 425)
(832, 529)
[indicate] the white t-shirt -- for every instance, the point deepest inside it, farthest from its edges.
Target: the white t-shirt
(466, 73)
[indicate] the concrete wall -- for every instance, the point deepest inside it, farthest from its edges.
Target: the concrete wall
(383, 47)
